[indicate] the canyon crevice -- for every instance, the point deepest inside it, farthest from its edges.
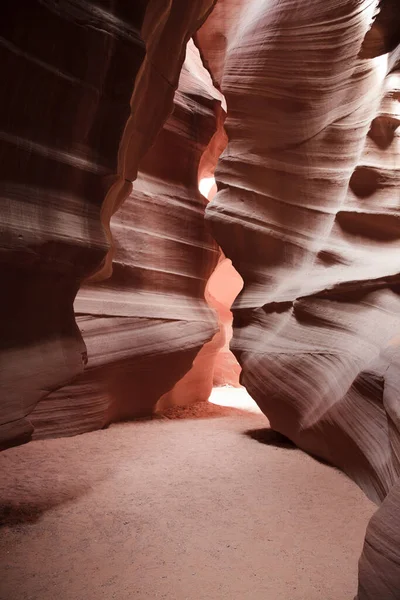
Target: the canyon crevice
(119, 275)
(61, 190)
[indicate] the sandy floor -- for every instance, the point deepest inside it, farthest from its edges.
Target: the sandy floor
(183, 509)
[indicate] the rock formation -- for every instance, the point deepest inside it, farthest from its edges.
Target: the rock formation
(308, 212)
(62, 120)
(72, 136)
(222, 288)
(145, 324)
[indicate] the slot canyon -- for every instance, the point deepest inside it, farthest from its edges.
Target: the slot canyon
(200, 307)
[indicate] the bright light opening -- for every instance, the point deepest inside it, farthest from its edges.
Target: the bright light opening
(234, 398)
(205, 186)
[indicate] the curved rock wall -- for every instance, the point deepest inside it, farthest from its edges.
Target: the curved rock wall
(71, 139)
(222, 288)
(62, 120)
(145, 324)
(308, 212)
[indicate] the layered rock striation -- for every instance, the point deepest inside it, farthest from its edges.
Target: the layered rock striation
(144, 325)
(308, 212)
(62, 119)
(104, 138)
(89, 87)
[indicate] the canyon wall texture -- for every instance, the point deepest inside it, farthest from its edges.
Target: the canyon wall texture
(145, 324)
(308, 212)
(104, 137)
(76, 120)
(61, 123)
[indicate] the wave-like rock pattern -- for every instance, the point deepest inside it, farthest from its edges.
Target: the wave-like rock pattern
(144, 325)
(308, 212)
(89, 86)
(167, 27)
(62, 119)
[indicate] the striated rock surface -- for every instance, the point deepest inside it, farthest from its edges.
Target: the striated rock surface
(144, 325)
(308, 212)
(71, 138)
(62, 119)
(168, 25)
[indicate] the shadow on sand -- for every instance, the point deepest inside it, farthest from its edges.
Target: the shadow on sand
(270, 438)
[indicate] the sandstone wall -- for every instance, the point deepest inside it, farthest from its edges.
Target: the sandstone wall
(144, 325)
(308, 212)
(89, 87)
